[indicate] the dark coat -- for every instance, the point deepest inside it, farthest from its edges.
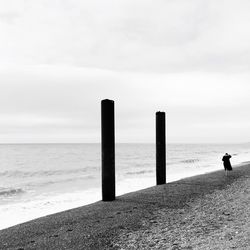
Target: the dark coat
(227, 163)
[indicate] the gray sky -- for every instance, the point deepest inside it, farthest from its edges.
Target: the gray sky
(58, 59)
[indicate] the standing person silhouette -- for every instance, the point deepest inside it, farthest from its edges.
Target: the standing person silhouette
(227, 163)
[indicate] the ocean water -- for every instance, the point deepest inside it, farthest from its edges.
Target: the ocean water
(41, 179)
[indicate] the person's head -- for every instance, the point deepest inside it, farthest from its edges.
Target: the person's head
(226, 154)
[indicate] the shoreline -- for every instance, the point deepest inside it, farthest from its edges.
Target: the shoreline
(97, 225)
(23, 212)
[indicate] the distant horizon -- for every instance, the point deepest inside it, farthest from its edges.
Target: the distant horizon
(193, 143)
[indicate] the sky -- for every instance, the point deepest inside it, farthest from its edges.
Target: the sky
(59, 59)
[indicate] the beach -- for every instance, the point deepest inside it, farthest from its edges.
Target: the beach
(119, 121)
(41, 179)
(209, 211)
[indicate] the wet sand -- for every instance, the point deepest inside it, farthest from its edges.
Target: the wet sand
(208, 211)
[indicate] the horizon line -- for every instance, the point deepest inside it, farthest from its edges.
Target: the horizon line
(21, 143)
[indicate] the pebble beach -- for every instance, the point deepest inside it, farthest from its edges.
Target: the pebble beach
(219, 220)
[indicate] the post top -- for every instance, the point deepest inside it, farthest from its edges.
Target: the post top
(107, 100)
(160, 112)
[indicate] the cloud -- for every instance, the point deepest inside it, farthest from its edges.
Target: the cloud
(60, 58)
(162, 36)
(28, 120)
(64, 102)
(8, 17)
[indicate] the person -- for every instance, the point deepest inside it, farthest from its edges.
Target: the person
(227, 163)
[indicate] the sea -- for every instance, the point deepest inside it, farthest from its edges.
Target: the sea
(41, 179)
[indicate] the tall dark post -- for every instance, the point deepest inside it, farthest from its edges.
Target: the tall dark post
(160, 148)
(108, 150)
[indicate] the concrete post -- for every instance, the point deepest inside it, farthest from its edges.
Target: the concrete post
(108, 150)
(160, 148)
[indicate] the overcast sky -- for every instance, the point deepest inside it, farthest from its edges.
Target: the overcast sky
(60, 58)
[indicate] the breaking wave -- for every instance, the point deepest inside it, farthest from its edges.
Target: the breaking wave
(190, 161)
(18, 173)
(11, 191)
(139, 172)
